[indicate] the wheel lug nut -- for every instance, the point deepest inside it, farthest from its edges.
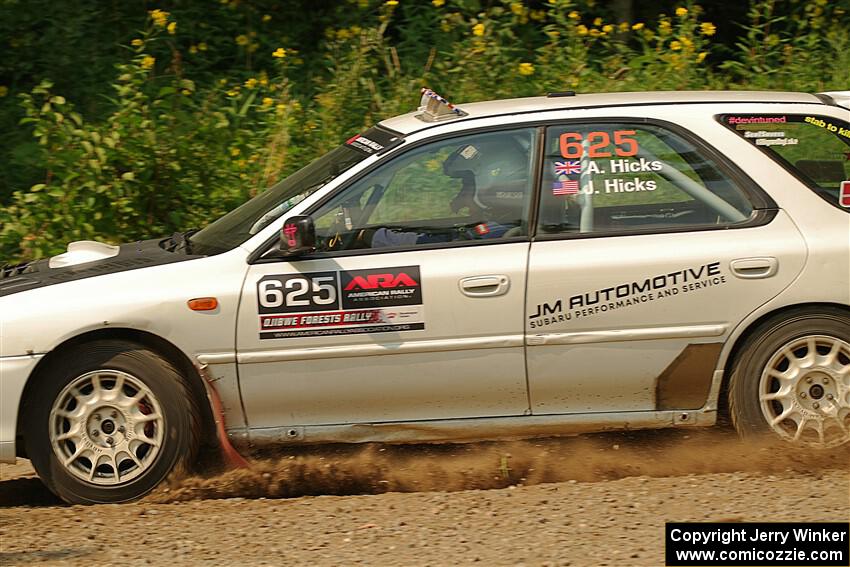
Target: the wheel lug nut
(97, 417)
(121, 429)
(802, 394)
(114, 414)
(816, 405)
(109, 440)
(808, 380)
(95, 433)
(826, 380)
(829, 396)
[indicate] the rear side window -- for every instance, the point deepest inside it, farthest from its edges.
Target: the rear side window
(618, 178)
(816, 149)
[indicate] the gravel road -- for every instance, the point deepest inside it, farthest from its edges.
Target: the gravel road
(596, 500)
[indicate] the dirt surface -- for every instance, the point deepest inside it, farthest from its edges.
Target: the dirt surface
(594, 500)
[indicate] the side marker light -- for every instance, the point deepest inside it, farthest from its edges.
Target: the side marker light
(203, 304)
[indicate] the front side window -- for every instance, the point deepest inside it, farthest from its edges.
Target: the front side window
(814, 148)
(622, 177)
(251, 217)
(470, 188)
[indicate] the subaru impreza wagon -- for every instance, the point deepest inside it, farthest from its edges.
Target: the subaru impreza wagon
(514, 268)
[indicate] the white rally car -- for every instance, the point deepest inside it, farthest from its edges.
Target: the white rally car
(514, 268)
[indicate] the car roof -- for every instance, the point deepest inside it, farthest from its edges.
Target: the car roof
(409, 123)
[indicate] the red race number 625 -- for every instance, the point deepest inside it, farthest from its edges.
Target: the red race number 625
(572, 146)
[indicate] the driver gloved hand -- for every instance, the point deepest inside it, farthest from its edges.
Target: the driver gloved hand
(364, 238)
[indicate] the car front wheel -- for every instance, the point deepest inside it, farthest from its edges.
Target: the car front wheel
(792, 379)
(110, 423)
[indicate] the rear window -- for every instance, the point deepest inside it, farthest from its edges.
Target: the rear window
(816, 149)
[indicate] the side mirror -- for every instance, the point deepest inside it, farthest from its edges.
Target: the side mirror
(298, 236)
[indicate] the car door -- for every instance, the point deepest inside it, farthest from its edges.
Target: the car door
(412, 306)
(650, 248)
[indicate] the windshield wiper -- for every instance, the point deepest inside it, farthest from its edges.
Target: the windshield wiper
(179, 242)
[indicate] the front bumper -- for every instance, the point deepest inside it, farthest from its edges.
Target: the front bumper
(14, 373)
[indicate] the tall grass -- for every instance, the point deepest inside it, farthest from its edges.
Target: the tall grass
(176, 152)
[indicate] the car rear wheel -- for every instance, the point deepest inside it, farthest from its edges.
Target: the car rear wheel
(111, 423)
(792, 380)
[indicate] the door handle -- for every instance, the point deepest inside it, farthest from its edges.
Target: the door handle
(485, 286)
(754, 268)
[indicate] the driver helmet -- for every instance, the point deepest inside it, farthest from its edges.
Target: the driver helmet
(495, 173)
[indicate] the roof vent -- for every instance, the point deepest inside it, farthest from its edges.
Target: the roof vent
(435, 108)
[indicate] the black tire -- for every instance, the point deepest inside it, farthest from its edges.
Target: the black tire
(763, 348)
(161, 384)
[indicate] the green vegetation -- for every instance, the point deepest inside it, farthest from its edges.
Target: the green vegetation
(124, 124)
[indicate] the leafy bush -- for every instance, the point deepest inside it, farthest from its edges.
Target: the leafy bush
(192, 129)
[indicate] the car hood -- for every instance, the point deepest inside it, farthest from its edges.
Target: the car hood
(86, 259)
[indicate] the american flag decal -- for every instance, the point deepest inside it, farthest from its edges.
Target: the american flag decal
(567, 167)
(844, 195)
(569, 187)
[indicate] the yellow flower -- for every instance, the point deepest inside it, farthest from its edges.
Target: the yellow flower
(268, 102)
(701, 57)
(264, 78)
(202, 46)
(581, 29)
(686, 41)
(343, 34)
(637, 26)
(478, 29)
(526, 69)
(137, 43)
(597, 22)
(707, 28)
(391, 3)
(4, 90)
(607, 28)
(251, 83)
(172, 28)
(159, 17)
(235, 151)
(517, 8)
(280, 53)
(675, 45)
(193, 49)
(624, 26)
(595, 32)
(242, 39)
(538, 15)
(232, 92)
(280, 108)
(266, 18)
(148, 61)
(664, 27)
(438, 3)
(186, 92)
(574, 15)
(681, 12)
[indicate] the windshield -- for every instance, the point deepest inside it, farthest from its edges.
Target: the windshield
(245, 221)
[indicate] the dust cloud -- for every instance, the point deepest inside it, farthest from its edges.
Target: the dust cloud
(373, 469)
